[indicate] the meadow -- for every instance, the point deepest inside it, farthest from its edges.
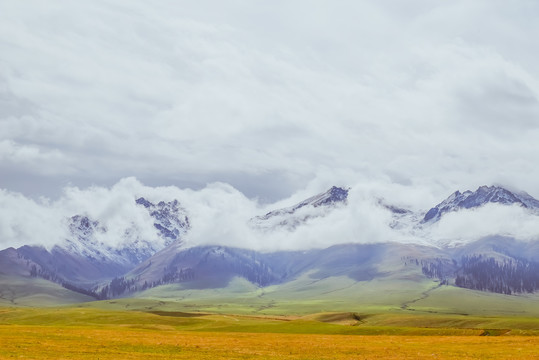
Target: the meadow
(83, 332)
(329, 319)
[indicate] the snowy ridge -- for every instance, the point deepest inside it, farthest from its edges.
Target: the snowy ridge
(480, 197)
(170, 218)
(170, 221)
(290, 217)
(83, 239)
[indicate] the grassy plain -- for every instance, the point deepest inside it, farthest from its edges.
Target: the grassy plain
(307, 296)
(25, 291)
(332, 318)
(92, 333)
(38, 342)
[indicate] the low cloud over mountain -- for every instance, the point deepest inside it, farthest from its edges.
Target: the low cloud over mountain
(221, 215)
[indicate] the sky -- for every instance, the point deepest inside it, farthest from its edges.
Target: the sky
(280, 100)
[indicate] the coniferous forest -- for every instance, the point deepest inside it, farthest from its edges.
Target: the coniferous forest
(506, 277)
(478, 272)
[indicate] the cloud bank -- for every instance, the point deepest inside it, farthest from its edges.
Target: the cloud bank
(219, 215)
(268, 97)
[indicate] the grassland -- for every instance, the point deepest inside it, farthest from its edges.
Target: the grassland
(306, 296)
(91, 333)
(333, 318)
(121, 343)
(25, 291)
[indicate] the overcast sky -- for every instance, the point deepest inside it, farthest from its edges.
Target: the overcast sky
(274, 98)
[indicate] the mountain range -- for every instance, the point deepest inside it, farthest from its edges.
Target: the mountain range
(480, 197)
(85, 263)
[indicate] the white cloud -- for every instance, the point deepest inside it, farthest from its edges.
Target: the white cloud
(32, 157)
(435, 95)
(219, 215)
(491, 219)
(26, 222)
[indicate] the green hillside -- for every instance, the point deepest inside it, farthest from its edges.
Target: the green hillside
(26, 291)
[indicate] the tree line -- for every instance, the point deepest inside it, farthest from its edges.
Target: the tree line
(478, 272)
(506, 276)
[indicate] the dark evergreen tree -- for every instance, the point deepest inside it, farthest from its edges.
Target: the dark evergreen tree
(506, 276)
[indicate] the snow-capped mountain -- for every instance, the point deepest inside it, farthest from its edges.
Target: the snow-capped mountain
(401, 219)
(82, 239)
(85, 258)
(290, 217)
(169, 218)
(483, 195)
(86, 262)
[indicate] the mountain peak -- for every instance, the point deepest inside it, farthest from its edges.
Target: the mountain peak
(289, 217)
(142, 201)
(83, 228)
(332, 196)
(483, 195)
(336, 194)
(169, 218)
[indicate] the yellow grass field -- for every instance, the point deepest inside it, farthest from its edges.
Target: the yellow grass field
(86, 333)
(46, 342)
